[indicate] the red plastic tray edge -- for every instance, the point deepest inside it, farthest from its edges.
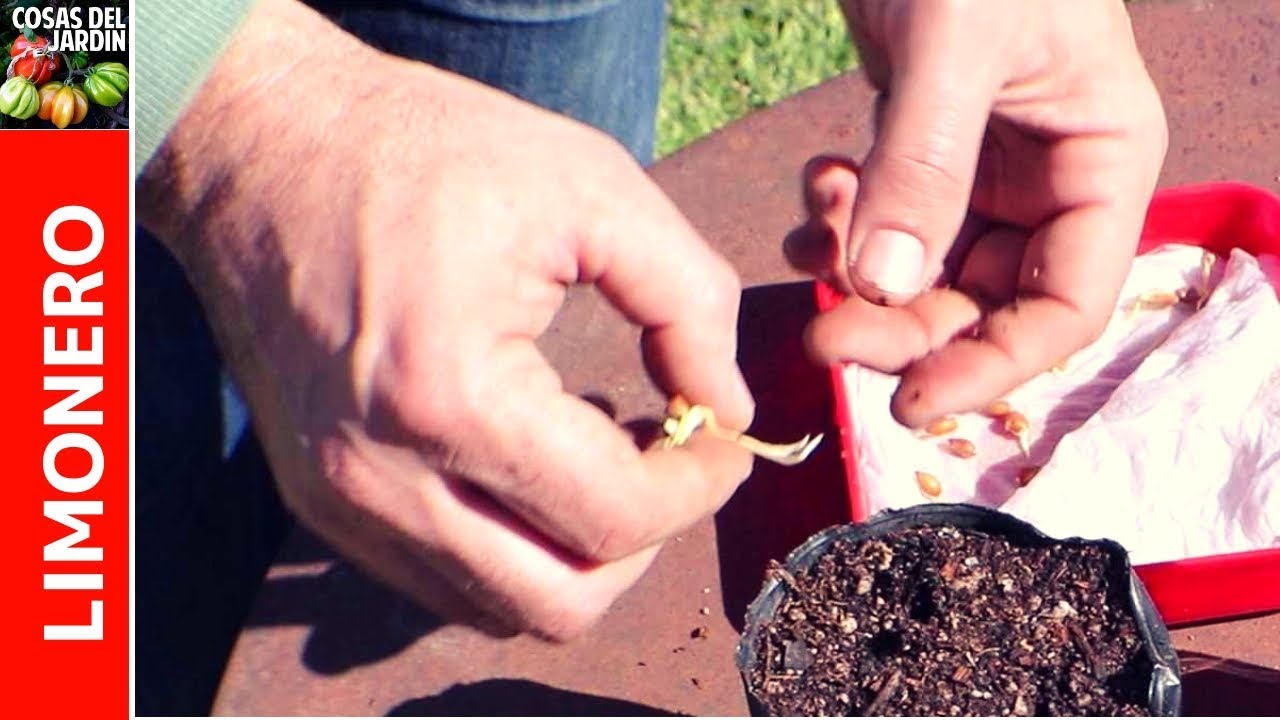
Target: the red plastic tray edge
(1217, 216)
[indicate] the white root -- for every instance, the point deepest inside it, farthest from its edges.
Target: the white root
(685, 419)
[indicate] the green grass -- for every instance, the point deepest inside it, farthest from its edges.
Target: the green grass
(725, 58)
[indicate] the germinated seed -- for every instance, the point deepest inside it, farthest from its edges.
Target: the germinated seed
(1153, 300)
(960, 447)
(1158, 300)
(929, 484)
(941, 426)
(1017, 425)
(998, 409)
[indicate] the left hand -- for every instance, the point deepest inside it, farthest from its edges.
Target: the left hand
(988, 234)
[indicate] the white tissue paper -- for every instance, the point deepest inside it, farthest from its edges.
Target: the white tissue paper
(1163, 435)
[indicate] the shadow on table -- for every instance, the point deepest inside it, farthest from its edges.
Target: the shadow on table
(779, 507)
(1214, 686)
(354, 620)
(519, 697)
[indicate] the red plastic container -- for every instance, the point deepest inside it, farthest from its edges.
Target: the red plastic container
(1218, 217)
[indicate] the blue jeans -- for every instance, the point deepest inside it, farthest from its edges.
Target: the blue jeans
(208, 519)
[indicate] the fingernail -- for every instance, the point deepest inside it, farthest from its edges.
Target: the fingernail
(892, 261)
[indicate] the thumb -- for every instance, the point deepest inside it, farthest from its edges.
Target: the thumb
(915, 186)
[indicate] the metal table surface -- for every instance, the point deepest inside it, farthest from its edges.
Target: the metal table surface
(324, 640)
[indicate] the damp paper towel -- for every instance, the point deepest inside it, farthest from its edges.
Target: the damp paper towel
(1163, 435)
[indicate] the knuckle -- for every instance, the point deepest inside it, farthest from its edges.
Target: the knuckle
(424, 415)
(346, 490)
(1081, 323)
(345, 477)
(340, 466)
(424, 392)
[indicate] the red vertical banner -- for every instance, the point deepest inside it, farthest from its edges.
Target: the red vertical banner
(66, 365)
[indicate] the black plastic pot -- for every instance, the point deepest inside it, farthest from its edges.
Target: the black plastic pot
(1166, 684)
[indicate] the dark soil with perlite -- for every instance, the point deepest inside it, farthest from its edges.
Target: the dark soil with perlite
(944, 621)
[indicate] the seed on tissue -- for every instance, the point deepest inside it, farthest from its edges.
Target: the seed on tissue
(1017, 425)
(941, 426)
(929, 484)
(1207, 261)
(1154, 300)
(1158, 299)
(997, 409)
(960, 447)
(1026, 474)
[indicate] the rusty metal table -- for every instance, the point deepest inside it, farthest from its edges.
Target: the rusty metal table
(324, 640)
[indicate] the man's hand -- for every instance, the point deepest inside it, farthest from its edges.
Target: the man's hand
(378, 244)
(987, 235)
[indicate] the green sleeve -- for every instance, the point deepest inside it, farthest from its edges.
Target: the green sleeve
(176, 43)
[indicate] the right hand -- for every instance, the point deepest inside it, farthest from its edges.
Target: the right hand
(379, 243)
